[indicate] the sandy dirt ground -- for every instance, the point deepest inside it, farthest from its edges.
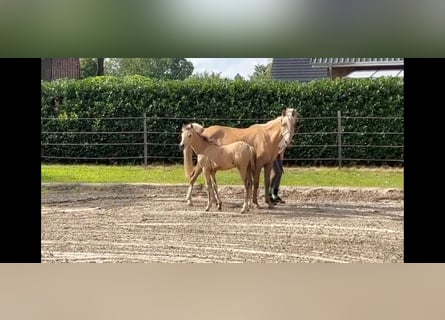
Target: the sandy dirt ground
(109, 223)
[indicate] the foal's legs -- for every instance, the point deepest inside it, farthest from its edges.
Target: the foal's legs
(196, 172)
(208, 177)
(215, 190)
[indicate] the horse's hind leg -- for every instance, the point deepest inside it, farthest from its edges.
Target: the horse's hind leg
(256, 183)
(195, 174)
(245, 176)
(249, 187)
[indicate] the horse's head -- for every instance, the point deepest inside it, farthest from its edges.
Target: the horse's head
(292, 115)
(187, 134)
(288, 122)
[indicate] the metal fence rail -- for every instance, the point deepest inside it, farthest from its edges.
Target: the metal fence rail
(141, 138)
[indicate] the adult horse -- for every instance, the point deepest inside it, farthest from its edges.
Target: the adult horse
(267, 139)
(216, 157)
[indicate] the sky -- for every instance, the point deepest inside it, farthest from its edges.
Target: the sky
(228, 67)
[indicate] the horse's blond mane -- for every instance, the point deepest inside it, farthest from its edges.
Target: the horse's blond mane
(207, 139)
(267, 123)
(288, 112)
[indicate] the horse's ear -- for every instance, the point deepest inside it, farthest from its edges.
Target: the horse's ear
(186, 126)
(283, 113)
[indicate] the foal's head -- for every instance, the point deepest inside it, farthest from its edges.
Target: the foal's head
(194, 129)
(187, 133)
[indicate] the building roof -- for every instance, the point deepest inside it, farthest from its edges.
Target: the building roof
(307, 69)
(299, 69)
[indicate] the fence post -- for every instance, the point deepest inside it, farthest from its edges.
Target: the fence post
(145, 139)
(339, 131)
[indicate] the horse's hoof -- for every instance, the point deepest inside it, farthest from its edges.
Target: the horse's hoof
(189, 203)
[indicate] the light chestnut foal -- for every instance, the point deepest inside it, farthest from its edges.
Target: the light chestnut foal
(213, 157)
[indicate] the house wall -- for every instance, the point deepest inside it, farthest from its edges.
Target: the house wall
(45, 70)
(56, 68)
(341, 72)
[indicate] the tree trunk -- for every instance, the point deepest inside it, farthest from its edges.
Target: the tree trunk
(100, 66)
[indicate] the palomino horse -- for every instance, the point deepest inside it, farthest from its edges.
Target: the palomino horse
(220, 157)
(267, 139)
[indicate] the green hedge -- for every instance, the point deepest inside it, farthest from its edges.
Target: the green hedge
(241, 101)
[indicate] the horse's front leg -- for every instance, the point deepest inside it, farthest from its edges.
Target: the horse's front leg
(196, 172)
(256, 183)
(215, 190)
(209, 189)
(267, 170)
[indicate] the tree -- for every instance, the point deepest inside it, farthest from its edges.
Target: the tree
(238, 77)
(206, 75)
(261, 72)
(179, 69)
(158, 68)
(91, 67)
(88, 67)
(112, 66)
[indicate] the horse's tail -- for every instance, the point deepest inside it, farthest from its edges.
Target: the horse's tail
(188, 161)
